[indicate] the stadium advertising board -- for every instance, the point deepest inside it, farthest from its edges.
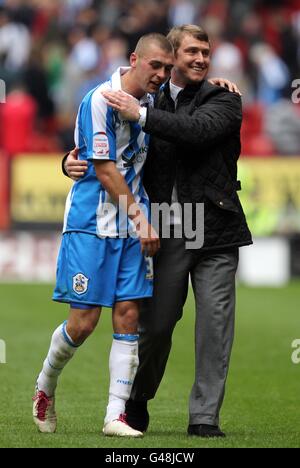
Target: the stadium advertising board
(270, 192)
(27, 256)
(271, 195)
(38, 190)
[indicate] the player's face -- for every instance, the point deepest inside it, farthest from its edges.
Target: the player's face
(191, 61)
(153, 68)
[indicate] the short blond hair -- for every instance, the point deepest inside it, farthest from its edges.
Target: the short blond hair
(177, 33)
(153, 38)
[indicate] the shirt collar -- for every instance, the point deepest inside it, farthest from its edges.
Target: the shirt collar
(174, 90)
(116, 84)
(116, 78)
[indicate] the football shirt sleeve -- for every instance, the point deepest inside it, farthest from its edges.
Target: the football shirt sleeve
(101, 135)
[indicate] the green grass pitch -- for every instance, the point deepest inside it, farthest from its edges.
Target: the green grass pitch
(262, 404)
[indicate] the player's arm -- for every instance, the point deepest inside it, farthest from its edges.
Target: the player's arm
(115, 184)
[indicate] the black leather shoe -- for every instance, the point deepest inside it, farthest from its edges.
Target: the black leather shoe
(205, 430)
(137, 415)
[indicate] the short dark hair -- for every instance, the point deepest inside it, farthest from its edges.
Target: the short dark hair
(177, 33)
(156, 38)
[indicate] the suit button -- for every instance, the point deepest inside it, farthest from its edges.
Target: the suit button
(221, 203)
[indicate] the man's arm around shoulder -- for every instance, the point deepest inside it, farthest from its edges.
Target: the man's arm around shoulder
(217, 117)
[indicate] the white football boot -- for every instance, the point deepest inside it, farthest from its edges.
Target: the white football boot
(44, 415)
(120, 428)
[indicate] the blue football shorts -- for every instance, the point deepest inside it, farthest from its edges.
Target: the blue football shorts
(93, 271)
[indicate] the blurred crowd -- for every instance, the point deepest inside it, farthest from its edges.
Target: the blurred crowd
(52, 52)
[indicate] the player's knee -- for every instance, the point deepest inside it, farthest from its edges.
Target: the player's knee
(82, 330)
(130, 318)
(127, 317)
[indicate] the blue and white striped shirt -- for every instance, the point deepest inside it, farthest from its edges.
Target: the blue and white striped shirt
(101, 134)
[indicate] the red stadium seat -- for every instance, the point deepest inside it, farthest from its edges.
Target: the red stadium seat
(257, 145)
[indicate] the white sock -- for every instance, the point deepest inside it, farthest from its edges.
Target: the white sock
(62, 349)
(123, 364)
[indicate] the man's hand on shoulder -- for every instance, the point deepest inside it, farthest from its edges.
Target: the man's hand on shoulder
(74, 167)
(232, 87)
(124, 103)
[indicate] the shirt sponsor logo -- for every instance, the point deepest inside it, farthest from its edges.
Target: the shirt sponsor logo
(100, 145)
(143, 150)
(130, 157)
(80, 283)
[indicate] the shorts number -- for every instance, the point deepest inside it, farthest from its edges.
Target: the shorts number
(149, 266)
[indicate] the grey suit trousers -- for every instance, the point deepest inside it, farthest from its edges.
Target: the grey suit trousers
(213, 281)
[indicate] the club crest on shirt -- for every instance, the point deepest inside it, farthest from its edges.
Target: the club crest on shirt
(80, 283)
(100, 144)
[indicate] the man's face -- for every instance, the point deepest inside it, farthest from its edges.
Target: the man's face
(152, 68)
(192, 61)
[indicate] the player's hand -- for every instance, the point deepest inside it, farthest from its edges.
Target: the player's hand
(151, 244)
(74, 167)
(149, 239)
(125, 104)
(232, 87)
